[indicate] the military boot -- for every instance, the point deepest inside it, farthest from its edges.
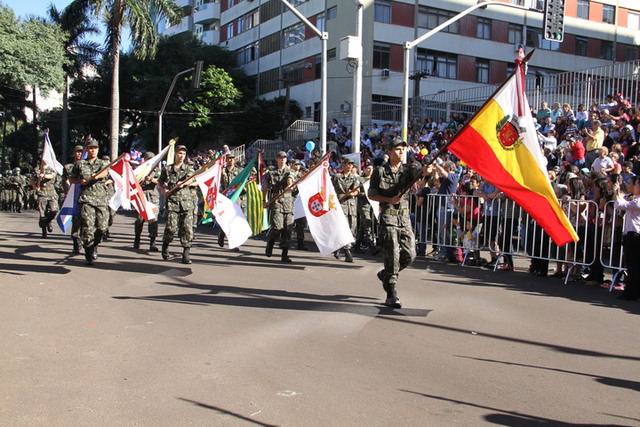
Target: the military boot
(88, 255)
(392, 300)
(336, 254)
(153, 234)
(221, 239)
(185, 256)
(44, 232)
(347, 256)
(95, 252)
(76, 245)
(285, 255)
(165, 251)
(269, 249)
(301, 245)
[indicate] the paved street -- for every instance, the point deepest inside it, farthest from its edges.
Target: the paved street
(237, 339)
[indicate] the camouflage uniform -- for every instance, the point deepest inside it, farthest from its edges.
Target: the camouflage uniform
(4, 191)
(180, 206)
(343, 184)
(398, 240)
(17, 184)
(47, 200)
(150, 189)
(94, 204)
(280, 211)
(364, 235)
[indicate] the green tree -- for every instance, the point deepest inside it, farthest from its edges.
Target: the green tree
(75, 21)
(217, 93)
(137, 15)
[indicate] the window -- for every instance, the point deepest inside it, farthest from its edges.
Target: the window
(230, 32)
(606, 49)
(581, 46)
(332, 12)
(316, 111)
(247, 54)
(634, 21)
(515, 34)
(248, 21)
(382, 11)
(296, 3)
(307, 112)
(331, 56)
(483, 29)
(430, 18)
(270, 10)
(321, 23)
(535, 39)
(293, 35)
(438, 64)
(510, 69)
(269, 44)
(293, 74)
(608, 14)
(269, 81)
(482, 71)
(381, 55)
(632, 53)
(583, 9)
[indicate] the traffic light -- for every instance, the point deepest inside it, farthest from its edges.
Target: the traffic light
(553, 28)
(197, 74)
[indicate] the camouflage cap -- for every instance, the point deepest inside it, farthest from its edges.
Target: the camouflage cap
(78, 148)
(231, 156)
(181, 148)
(93, 143)
(281, 154)
(396, 142)
(148, 155)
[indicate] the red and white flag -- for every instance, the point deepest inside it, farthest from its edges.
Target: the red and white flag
(128, 190)
(227, 213)
(327, 223)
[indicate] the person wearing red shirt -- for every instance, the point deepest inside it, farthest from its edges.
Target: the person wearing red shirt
(577, 151)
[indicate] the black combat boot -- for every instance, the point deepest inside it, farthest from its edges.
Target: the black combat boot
(221, 239)
(336, 254)
(285, 255)
(153, 234)
(347, 256)
(269, 249)
(136, 242)
(185, 256)
(165, 251)
(44, 232)
(392, 300)
(76, 245)
(301, 245)
(95, 252)
(88, 255)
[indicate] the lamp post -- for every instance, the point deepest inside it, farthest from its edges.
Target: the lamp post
(324, 37)
(408, 46)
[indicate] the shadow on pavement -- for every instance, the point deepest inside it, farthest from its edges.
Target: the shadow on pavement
(224, 411)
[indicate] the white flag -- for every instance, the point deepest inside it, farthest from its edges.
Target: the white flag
(147, 166)
(327, 223)
(129, 191)
(49, 157)
(69, 208)
(374, 205)
(227, 213)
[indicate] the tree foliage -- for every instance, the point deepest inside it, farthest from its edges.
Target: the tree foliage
(31, 52)
(216, 93)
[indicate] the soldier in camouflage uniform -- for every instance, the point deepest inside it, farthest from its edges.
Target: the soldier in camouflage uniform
(229, 172)
(47, 199)
(364, 237)
(92, 173)
(76, 221)
(150, 187)
(18, 183)
(398, 240)
(4, 191)
(345, 183)
(280, 211)
(301, 223)
(179, 204)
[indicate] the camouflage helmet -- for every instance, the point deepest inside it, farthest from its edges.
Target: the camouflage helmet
(16, 169)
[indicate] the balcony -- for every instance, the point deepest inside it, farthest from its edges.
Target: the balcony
(182, 27)
(183, 3)
(211, 37)
(206, 13)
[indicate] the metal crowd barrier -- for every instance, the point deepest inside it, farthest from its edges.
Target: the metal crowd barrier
(502, 227)
(611, 254)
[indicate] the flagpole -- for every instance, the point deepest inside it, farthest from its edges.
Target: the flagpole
(37, 186)
(302, 178)
(108, 166)
(344, 196)
(444, 149)
(196, 173)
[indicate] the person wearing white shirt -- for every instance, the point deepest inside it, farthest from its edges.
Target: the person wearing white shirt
(603, 163)
(631, 236)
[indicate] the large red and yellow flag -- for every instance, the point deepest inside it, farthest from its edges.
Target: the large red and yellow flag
(500, 143)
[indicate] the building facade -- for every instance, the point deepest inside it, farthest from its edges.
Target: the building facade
(271, 43)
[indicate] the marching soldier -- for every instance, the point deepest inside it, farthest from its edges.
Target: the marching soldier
(150, 187)
(92, 174)
(76, 222)
(47, 199)
(18, 183)
(346, 185)
(364, 238)
(180, 203)
(281, 210)
(398, 241)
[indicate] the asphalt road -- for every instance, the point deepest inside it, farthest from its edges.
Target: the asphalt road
(237, 339)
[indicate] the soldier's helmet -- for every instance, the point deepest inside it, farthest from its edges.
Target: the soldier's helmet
(16, 170)
(148, 155)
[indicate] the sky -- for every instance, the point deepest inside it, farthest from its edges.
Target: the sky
(25, 8)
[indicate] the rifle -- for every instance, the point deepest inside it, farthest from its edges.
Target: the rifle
(196, 173)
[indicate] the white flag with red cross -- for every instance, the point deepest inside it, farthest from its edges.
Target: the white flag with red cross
(129, 191)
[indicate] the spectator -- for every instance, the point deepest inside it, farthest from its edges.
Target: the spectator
(556, 112)
(603, 163)
(594, 139)
(581, 116)
(543, 112)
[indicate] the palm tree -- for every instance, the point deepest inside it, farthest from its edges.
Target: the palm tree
(140, 16)
(75, 21)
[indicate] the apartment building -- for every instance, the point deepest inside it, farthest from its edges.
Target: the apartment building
(272, 44)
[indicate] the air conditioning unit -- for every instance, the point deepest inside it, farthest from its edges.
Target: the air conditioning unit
(385, 73)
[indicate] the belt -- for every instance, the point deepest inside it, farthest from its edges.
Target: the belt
(394, 211)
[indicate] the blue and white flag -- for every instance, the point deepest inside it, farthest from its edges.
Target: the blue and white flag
(49, 157)
(70, 207)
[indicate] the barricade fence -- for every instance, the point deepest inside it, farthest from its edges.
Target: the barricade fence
(460, 226)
